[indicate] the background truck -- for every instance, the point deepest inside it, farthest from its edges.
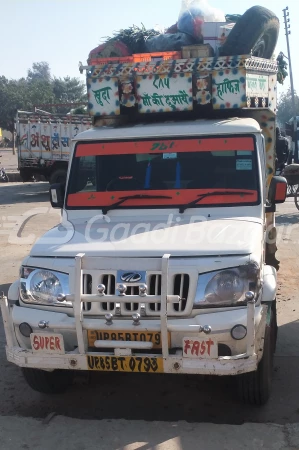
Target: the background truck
(44, 141)
(164, 261)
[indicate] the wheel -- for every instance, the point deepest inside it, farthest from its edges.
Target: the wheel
(55, 382)
(58, 176)
(297, 198)
(26, 175)
(255, 387)
(257, 31)
(274, 328)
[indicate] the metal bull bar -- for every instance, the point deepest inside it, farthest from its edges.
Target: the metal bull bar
(79, 298)
(164, 299)
(225, 365)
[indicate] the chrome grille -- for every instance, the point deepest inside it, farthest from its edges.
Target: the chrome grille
(87, 289)
(132, 307)
(181, 288)
(109, 282)
(179, 285)
(154, 288)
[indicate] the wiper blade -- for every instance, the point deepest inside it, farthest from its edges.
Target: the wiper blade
(210, 194)
(105, 209)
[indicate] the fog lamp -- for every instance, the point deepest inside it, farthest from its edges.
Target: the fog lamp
(25, 329)
(238, 332)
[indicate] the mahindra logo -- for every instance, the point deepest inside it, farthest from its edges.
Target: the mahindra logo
(131, 277)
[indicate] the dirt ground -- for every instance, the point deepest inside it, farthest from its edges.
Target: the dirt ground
(149, 397)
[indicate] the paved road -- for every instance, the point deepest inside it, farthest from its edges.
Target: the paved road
(148, 397)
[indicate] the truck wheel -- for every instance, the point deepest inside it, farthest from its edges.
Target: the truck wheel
(256, 30)
(25, 175)
(254, 388)
(55, 382)
(58, 176)
(274, 328)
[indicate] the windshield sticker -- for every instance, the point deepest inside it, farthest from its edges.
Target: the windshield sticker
(173, 197)
(243, 164)
(162, 146)
(170, 155)
(170, 146)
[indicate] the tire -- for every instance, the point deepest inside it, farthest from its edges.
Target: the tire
(274, 326)
(55, 382)
(297, 198)
(58, 176)
(26, 175)
(254, 388)
(256, 30)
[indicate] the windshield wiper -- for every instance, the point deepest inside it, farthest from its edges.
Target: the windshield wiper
(105, 209)
(210, 194)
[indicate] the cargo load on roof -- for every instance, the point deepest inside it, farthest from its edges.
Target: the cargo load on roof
(206, 61)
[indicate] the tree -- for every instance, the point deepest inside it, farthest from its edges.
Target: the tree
(40, 71)
(68, 90)
(285, 107)
(37, 89)
(13, 96)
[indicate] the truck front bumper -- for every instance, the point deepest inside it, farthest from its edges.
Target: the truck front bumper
(244, 357)
(173, 364)
(138, 356)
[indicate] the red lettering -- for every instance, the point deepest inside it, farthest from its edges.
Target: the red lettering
(52, 342)
(195, 348)
(203, 348)
(187, 346)
(47, 341)
(209, 345)
(42, 342)
(57, 343)
(35, 343)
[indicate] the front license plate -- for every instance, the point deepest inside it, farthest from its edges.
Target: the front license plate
(136, 336)
(125, 364)
(200, 348)
(47, 343)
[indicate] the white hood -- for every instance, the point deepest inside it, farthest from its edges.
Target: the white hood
(104, 237)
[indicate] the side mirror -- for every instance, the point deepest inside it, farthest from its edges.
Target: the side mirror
(277, 190)
(57, 192)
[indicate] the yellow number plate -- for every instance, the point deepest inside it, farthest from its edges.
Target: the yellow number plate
(125, 364)
(137, 336)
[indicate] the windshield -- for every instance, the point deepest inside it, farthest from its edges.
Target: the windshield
(103, 173)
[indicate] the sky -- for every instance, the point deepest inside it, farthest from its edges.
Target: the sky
(62, 32)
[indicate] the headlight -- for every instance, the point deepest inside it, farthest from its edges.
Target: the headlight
(226, 287)
(42, 286)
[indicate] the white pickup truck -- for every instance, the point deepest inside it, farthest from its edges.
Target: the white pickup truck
(164, 257)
